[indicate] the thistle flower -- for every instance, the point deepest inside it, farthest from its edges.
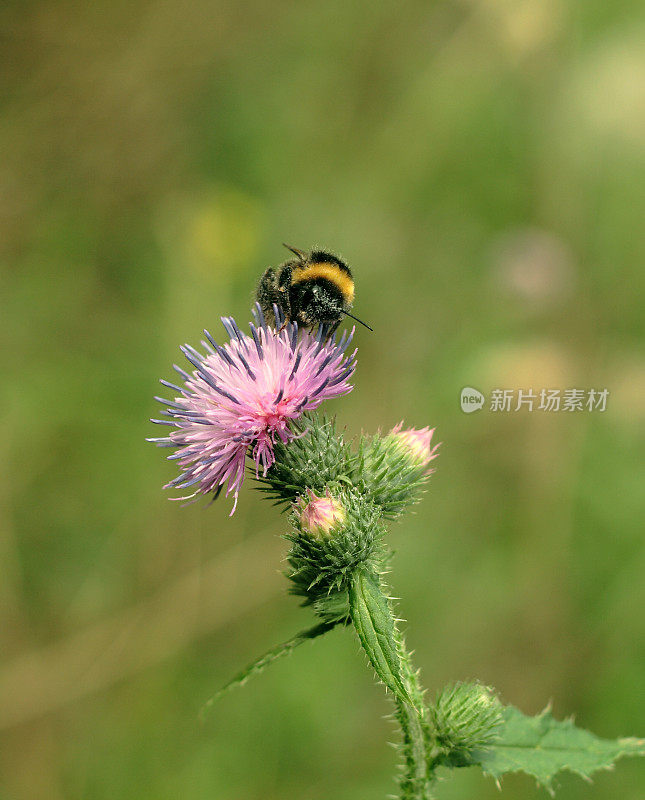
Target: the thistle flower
(417, 443)
(318, 515)
(242, 397)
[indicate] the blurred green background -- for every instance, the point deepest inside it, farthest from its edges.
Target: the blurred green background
(481, 165)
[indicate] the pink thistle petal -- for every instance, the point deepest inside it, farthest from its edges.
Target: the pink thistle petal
(319, 515)
(242, 397)
(417, 443)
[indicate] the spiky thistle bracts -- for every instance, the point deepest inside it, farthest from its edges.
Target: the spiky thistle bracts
(322, 563)
(466, 718)
(390, 470)
(243, 398)
(316, 457)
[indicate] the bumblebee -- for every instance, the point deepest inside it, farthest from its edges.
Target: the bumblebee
(312, 289)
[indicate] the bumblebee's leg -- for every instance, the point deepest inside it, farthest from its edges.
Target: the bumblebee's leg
(269, 293)
(284, 279)
(266, 290)
(284, 284)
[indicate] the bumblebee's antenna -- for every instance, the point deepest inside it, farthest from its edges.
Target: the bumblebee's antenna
(359, 320)
(302, 256)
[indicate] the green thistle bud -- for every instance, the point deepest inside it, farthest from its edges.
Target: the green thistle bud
(466, 718)
(332, 536)
(391, 470)
(313, 459)
(416, 443)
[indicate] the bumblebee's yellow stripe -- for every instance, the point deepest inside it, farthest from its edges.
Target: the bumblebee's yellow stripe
(329, 271)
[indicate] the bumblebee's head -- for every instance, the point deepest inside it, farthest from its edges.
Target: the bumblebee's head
(318, 300)
(322, 288)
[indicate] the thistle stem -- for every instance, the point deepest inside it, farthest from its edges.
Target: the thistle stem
(418, 770)
(415, 781)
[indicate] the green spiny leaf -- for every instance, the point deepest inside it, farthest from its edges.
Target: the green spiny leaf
(372, 618)
(543, 746)
(269, 657)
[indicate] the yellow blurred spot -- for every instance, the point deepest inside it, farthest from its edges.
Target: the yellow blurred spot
(607, 93)
(530, 26)
(539, 365)
(523, 26)
(224, 231)
(212, 236)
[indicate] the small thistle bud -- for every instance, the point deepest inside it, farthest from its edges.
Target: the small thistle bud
(417, 443)
(466, 718)
(391, 470)
(319, 515)
(332, 535)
